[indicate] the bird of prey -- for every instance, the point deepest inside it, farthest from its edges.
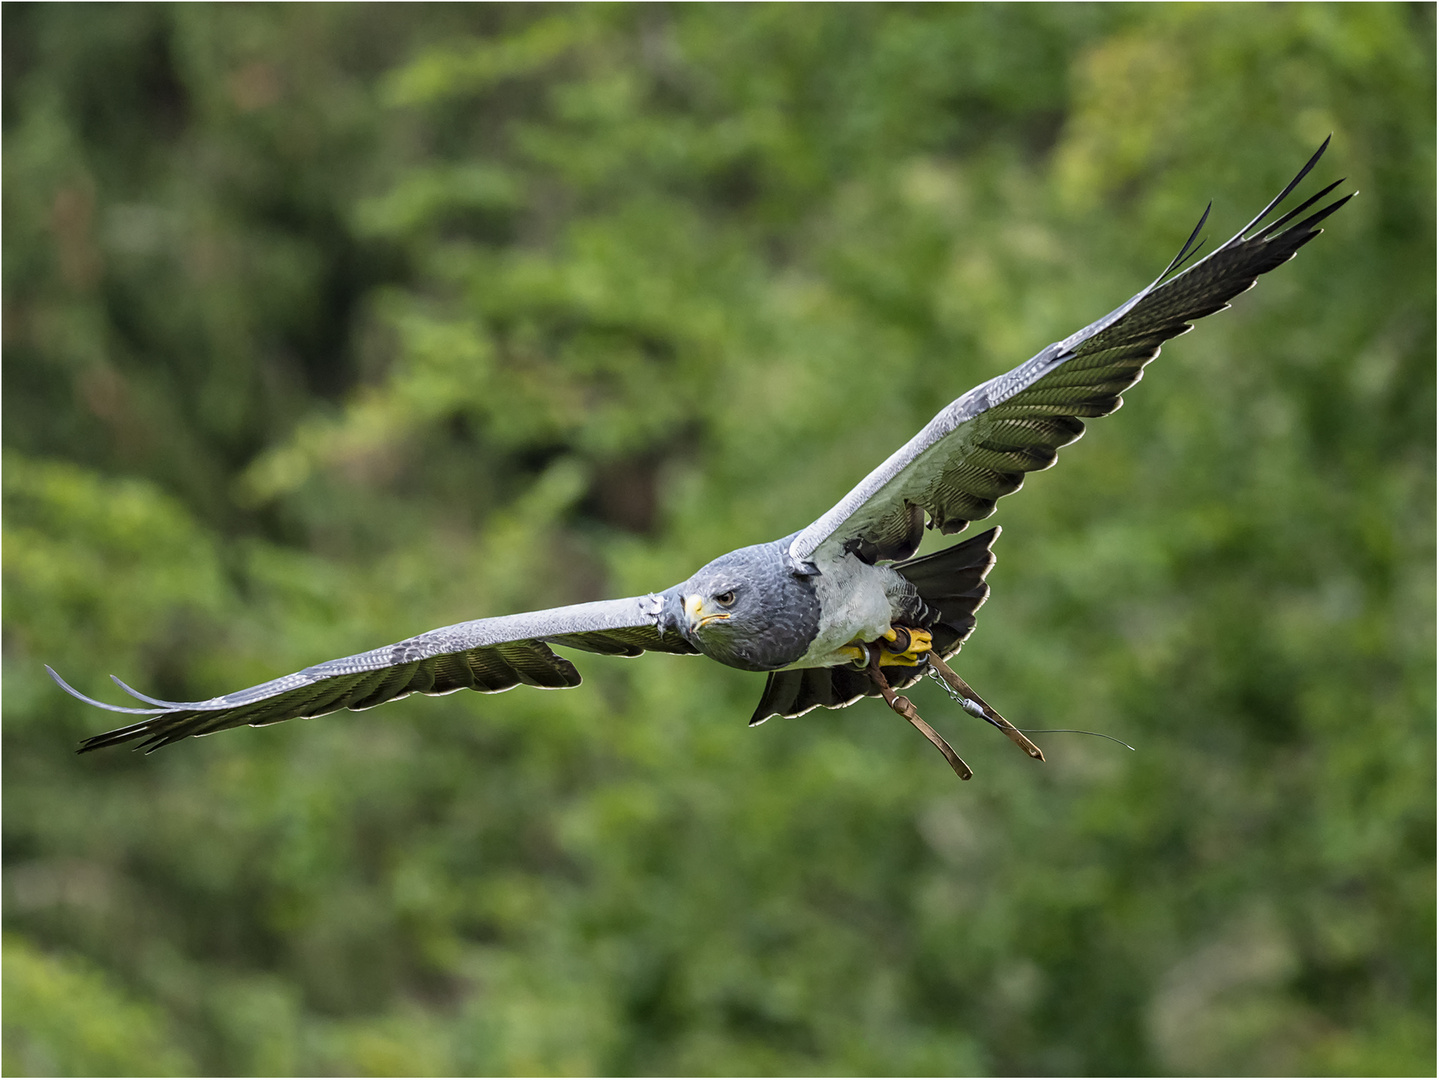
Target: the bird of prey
(841, 609)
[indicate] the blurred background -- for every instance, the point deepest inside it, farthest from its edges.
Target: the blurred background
(325, 325)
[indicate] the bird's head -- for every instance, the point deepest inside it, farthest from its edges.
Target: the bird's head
(747, 609)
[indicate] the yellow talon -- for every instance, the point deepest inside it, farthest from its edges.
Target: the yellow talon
(852, 653)
(920, 642)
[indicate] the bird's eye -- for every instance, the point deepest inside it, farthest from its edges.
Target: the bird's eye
(725, 599)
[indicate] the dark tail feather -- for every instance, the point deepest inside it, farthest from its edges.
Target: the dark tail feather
(951, 584)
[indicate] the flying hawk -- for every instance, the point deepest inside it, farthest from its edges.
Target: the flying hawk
(841, 609)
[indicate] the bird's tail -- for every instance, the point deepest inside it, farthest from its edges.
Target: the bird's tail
(951, 584)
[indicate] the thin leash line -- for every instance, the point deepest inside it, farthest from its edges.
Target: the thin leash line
(962, 702)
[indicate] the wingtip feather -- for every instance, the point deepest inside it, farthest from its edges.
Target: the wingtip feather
(142, 697)
(88, 700)
(1308, 165)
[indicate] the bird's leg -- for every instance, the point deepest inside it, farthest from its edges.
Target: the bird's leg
(903, 646)
(900, 646)
(906, 709)
(975, 705)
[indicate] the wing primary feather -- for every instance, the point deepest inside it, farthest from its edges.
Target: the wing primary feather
(88, 700)
(1184, 252)
(119, 735)
(1274, 226)
(146, 697)
(1197, 249)
(1315, 218)
(171, 733)
(1243, 233)
(1288, 188)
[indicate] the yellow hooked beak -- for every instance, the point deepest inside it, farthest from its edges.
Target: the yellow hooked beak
(699, 614)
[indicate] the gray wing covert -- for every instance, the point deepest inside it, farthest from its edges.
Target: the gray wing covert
(979, 447)
(487, 655)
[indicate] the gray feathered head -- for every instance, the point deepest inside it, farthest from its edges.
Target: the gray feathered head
(747, 609)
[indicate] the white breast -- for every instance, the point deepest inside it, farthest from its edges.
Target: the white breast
(854, 604)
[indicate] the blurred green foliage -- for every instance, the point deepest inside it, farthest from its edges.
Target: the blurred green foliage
(325, 325)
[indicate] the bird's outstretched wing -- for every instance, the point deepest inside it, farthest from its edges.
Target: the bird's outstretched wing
(980, 446)
(488, 655)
